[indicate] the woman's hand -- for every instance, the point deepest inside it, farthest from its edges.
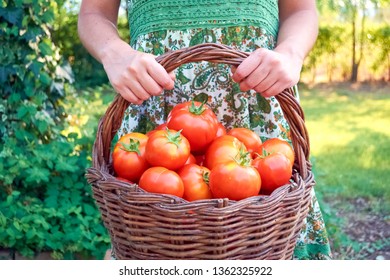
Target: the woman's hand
(268, 72)
(135, 75)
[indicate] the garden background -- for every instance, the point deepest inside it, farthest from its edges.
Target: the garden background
(53, 94)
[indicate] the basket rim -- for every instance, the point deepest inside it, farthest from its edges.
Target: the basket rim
(119, 201)
(218, 53)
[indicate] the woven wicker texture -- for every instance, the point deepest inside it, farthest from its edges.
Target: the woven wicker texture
(153, 226)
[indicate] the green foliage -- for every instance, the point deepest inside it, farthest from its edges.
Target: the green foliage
(328, 44)
(45, 201)
(380, 40)
(88, 72)
(359, 16)
(331, 54)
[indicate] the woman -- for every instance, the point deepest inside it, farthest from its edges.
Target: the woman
(277, 34)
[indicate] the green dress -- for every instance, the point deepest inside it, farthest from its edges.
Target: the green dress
(158, 26)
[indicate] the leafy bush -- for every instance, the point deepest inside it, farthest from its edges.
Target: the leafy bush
(327, 50)
(45, 201)
(380, 42)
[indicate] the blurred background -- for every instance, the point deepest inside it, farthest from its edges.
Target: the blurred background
(53, 94)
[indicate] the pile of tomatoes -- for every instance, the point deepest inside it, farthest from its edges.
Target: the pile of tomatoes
(194, 156)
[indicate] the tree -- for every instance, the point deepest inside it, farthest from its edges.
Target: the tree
(355, 12)
(380, 38)
(329, 41)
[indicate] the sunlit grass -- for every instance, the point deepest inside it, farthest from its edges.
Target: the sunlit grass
(350, 141)
(350, 151)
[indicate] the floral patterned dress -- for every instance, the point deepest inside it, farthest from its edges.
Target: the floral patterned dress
(159, 26)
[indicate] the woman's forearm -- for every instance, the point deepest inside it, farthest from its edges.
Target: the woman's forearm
(97, 27)
(298, 29)
(135, 75)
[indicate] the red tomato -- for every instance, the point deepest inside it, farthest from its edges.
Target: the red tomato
(161, 180)
(195, 179)
(234, 181)
(200, 159)
(275, 171)
(159, 127)
(167, 148)
(221, 130)
(248, 137)
(128, 157)
(224, 148)
(191, 159)
(275, 145)
(197, 123)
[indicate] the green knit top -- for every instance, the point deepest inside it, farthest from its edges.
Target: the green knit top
(147, 16)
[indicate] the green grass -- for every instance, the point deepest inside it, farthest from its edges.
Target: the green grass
(350, 149)
(350, 142)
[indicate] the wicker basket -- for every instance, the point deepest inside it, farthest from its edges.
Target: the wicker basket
(153, 226)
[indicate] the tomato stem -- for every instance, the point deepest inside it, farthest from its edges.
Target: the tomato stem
(132, 146)
(243, 157)
(173, 137)
(197, 110)
(206, 177)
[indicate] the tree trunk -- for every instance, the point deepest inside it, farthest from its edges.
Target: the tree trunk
(354, 73)
(388, 67)
(354, 68)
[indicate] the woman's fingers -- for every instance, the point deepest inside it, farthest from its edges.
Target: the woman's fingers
(150, 85)
(139, 91)
(172, 75)
(254, 79)
(130, 96)
(267, 72)
(160, 75)
(137, 76)
(249, 64)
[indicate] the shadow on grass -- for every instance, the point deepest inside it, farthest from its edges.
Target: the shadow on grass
(353, 190)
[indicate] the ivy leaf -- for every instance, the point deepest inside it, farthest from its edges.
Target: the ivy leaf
(42, 126)
(45, 78)
(31, 233)
(12, 15)
(89, 210)
(32, 34)
(5, 72)
(38, 175)
(45, 48)
(64, 166)
(3, 220)
(51, 200)
(47, 16)
(22, 112)
(17, 225)
(36, 67)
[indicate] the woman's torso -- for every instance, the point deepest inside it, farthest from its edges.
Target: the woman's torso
(158, 26)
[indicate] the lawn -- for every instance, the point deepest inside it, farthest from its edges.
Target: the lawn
(349, 132)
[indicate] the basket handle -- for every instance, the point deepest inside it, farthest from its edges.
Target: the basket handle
(217, 53)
